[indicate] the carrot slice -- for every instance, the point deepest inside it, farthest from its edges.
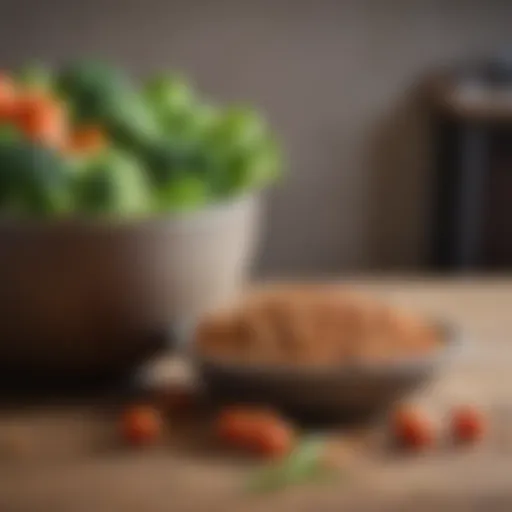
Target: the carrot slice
(87, 139)
(43, 119)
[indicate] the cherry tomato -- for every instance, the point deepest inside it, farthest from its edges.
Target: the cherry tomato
(412, 430)
(467, 424)
(256, 430)
(237, 426)
(141, 425)
(275, 439)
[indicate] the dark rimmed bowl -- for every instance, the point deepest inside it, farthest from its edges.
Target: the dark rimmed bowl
(349, 391)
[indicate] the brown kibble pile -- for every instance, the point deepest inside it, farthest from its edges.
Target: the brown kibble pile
(313, 327)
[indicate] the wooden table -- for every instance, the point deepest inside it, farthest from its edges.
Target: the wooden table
(63, 458)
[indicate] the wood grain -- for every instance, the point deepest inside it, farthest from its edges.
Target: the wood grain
(65, 458)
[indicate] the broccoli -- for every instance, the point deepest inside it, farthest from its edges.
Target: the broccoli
(113, 183)
(184, 193)
(101, 94)
(34, 178)
(170, 97)
(239, 128)
(89, 82)
(167, 150)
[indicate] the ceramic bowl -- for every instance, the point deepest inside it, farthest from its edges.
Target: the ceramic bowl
(81, 297)
(351, 391)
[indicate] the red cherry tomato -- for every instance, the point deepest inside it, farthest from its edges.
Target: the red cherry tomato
(467, 425)
(255, 430)
(412, 429)
(141, 425)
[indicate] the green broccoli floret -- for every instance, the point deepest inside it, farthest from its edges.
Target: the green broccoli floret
(34, 179)
(241, 152)
(130, 122)
(170, 97)
(253, 169)
(184, 193)
(239, 128)
(88, 82)
(178, 111)
(113, 183)
(166, 160)
(100, 93)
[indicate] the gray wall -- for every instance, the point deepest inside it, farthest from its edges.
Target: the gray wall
(335, 78)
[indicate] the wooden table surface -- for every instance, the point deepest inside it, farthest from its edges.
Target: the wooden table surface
(62, 458)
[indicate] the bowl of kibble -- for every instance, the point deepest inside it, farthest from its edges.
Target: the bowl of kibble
(318, 350)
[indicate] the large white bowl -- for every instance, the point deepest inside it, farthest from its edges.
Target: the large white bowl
(80, 297)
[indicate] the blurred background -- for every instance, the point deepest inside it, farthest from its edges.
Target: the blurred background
(338, 79)
(396, 122)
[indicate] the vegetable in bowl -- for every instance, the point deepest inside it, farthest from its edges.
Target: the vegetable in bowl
(86, 140)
